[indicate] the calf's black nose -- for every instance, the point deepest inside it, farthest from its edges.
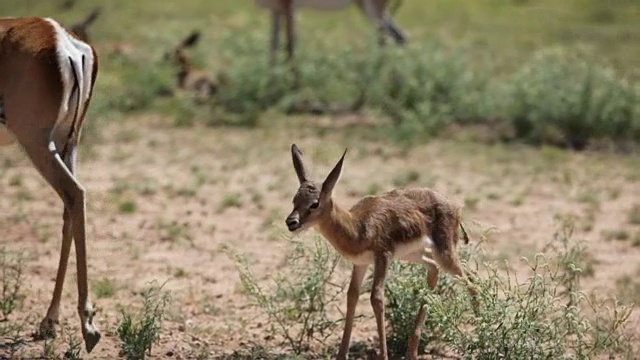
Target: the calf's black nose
(292, 223)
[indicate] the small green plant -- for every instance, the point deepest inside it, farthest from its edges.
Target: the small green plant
(104, 288)
(173, 231)
(231, 200)
(634, 215)
(74, 348)
(255, 351)
(471, 203)
(297, 306)
(12, 334)
(139, 331)
(127, 207)
(373, 189)
(12, 268)
(407, 178)
(629, 287)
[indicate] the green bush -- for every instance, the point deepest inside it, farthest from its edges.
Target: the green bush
(144, 85)
(251, 85)
(543, 317)
(11, 282)
(563, 96)
(423, 88)
(298, 303)
(139, 331)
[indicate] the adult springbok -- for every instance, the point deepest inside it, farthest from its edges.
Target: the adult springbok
(375, 10)
(416, 225)
(46, 80)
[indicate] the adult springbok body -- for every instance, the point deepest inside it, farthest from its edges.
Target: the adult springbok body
(375, 10)
(416, 225)
(46, 80)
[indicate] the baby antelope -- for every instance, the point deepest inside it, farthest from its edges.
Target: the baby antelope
(81, 28)
(199, 81)
(416, 225)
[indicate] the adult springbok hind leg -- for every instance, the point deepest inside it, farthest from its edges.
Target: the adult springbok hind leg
(283, 11)
(46, 81)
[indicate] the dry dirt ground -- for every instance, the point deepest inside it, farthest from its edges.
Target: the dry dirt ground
(165, 204)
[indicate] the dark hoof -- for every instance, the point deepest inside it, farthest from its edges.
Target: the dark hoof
(91, 337)
(47, 330)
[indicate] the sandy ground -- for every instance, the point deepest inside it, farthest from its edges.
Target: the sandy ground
(182, 183)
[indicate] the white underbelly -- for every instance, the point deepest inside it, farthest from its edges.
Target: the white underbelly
(327, 5)
(407, 251)
(6, 137)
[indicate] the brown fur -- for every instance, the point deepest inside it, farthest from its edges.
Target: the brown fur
(198, 81)
(31, 91)
(27, 35)
(383, 227)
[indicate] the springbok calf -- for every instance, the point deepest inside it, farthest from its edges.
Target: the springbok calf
(81, 28)
(375, 10)
(46, 81)
(416, 225)
(199, 81)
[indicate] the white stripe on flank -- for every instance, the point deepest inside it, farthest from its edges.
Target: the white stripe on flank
(70, 49)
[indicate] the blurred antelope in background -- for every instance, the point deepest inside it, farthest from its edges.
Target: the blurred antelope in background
(199, 81)
(46, 81)
(81, 28)
(416, 225)
(375, 10)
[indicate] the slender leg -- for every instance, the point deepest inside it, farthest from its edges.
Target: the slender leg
(432, 280)
(290, 30)
(374, 11)
(393, 30)
(90, 332)
(357, 276)
(414, 339)
(276, 21)
(377, 299)
(291, 42)
(47, 326)
(59, 176)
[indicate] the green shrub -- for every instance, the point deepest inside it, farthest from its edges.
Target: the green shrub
(250, 85)
(423, 88)
(297, 304)
(12, 267)
(563, 96)
(139, 331)
(127, 85)
(543, 317)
